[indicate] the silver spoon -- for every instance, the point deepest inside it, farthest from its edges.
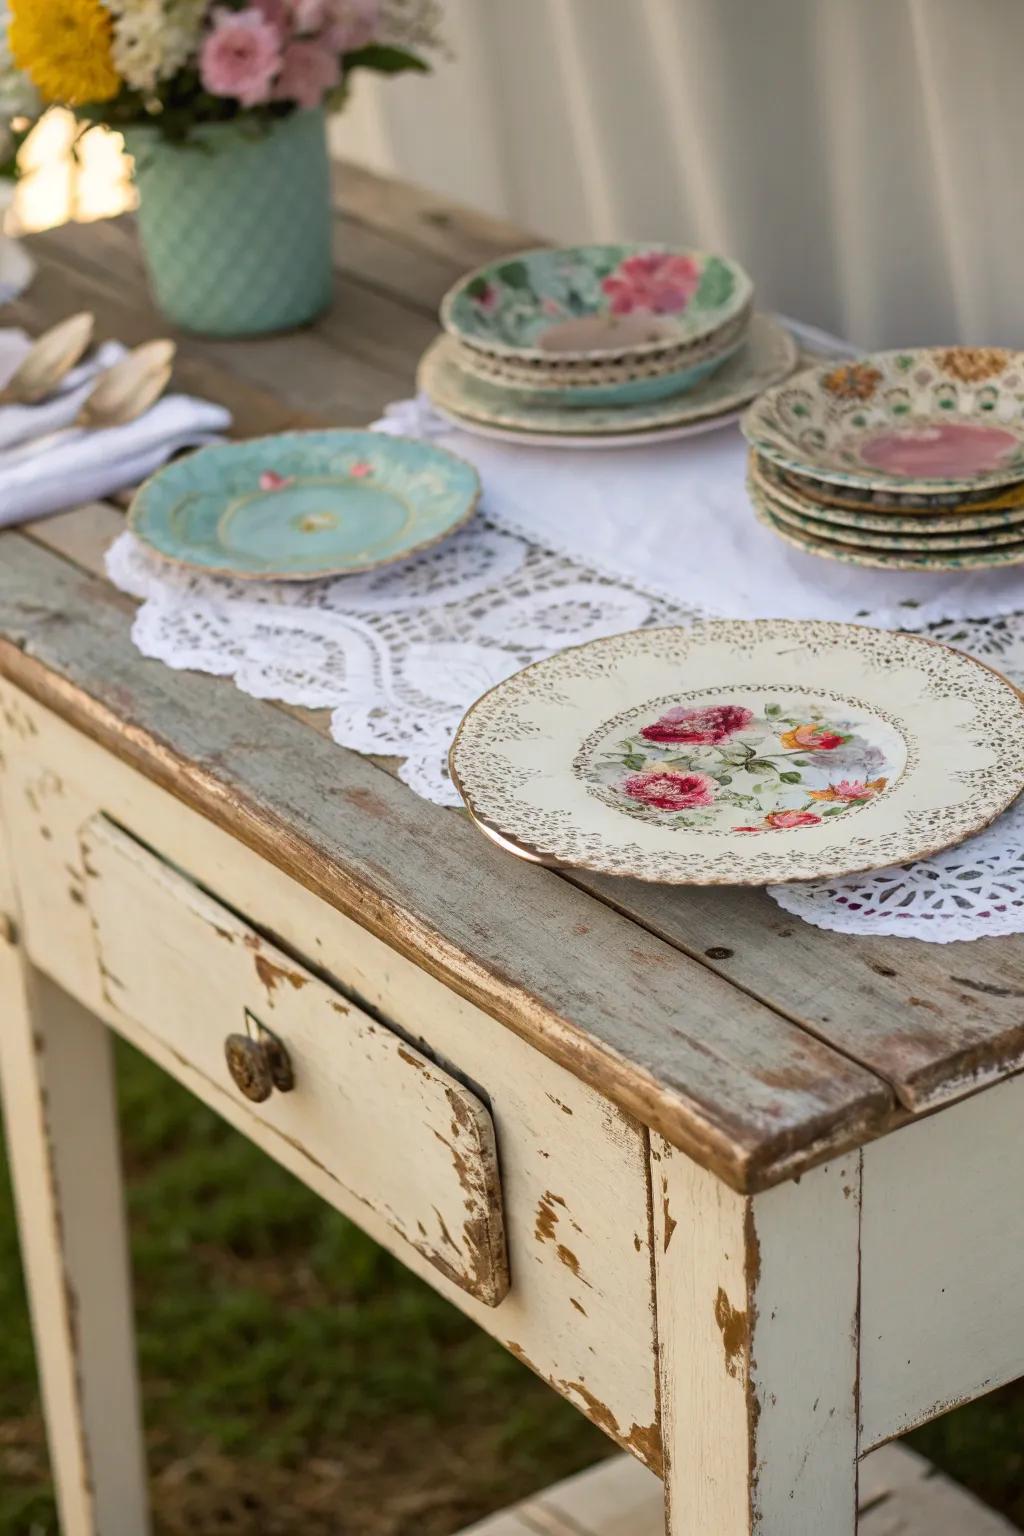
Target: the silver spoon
(51, 356)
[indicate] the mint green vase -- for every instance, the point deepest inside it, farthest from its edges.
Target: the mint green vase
(235, 224)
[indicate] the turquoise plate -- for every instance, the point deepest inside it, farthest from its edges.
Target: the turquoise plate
(304, 504)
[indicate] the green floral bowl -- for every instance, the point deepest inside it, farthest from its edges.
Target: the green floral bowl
(563, 310)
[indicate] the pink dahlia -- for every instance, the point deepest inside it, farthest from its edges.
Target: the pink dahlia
(698, 727)
(668, 791)
(308, 72)
(240, 56)
(657, 281)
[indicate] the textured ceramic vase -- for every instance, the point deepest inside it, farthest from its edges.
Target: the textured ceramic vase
(235, 224)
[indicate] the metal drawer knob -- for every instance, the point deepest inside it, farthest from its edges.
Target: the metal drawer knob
(258, 1062)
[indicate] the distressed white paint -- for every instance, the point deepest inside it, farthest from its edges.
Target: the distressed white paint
(757, 1313)
(366, 1108)
(580, 1308)
(943, 1255)
(901, 1495)
(60, 1116)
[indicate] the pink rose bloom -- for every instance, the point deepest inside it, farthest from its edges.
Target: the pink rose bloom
(792, 819)
(278, 14)
(658, 281)
(668, 791)
(240, 56)
(308, 72)
(487, 298)
(351, 24)
(698, 727)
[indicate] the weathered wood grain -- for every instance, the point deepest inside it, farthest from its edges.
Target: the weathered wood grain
(757, 1303)
(935, 1021)
(741, 1089)
(901, 1495)
(574, 1169)
(943, 1262)
(60, 1120)
(194, 973)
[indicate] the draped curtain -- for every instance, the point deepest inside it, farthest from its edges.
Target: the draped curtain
(859, 156)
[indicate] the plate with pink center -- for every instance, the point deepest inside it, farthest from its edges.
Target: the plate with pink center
(742, 753)
(927, 420)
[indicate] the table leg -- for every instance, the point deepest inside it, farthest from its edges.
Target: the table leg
(60, 1114)
(757, 1308)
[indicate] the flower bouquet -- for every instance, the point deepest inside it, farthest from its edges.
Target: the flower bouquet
(223, 107)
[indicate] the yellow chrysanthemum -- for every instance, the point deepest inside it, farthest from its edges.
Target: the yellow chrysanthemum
(64, 46)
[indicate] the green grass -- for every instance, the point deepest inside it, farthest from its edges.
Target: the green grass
(297, 1378)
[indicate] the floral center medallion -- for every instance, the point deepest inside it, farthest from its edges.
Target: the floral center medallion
(743, 760)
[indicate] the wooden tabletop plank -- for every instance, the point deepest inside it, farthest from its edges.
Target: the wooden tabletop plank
(740, 1089)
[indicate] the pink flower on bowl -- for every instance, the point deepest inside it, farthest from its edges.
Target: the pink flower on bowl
(850, 790)
(240, 56)
(666, 790)
(270, 480)
(486, 298)
(659, 281)
(360, 469)
(698, 727)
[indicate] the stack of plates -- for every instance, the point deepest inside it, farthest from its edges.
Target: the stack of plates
(601, 344)
(905, 460)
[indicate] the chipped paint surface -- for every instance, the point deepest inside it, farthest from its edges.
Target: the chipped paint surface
(733, 1326)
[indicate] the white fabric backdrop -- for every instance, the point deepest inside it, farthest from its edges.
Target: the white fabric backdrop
(859, 155)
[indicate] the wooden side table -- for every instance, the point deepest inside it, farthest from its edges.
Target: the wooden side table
(745, 1192)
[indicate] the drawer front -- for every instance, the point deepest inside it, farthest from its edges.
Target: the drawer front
(368, 1109)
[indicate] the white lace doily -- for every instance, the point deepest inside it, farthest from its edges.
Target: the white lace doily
(399, 654)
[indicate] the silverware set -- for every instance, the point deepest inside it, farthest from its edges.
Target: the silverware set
(119, 394)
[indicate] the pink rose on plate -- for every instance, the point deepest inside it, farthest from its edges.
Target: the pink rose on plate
(659, 281)
(308, 72)
(698, 727)
(668, 791)
(240, 56)
(784, 819)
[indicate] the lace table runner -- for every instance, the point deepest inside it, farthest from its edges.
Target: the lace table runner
(398, 655)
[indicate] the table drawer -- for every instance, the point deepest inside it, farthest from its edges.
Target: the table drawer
(367, 1108)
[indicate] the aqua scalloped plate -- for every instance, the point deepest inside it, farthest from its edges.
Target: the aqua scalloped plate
(303, 505)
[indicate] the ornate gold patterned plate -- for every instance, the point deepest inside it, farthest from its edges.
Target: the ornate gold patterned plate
(849, 498)
(969, 557)
(742, 753)
(922, 422)
(980, 528)
(303, 505)
(770, 353)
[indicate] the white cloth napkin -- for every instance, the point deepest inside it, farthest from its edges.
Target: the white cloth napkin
(84, 465)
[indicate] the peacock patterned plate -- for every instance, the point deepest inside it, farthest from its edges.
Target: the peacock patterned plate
(742, 752)
(303, 505)
(570, 306)
(982, 527)
(769, 354)
(968, 558)
(917, 422)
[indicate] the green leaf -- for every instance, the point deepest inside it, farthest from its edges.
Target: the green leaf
(800, 762)
(514, 274)
(634, 760)
(716, 285)
(477, 288)
(771, 710)
(759, 765)
(791, 778)
(385, 59)
(724, 778)
(835, 810)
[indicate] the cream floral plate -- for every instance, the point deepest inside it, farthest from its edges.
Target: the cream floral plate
(742, 753)
(967, 557)
(929, 420)
(770, 354)
(981, 528)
